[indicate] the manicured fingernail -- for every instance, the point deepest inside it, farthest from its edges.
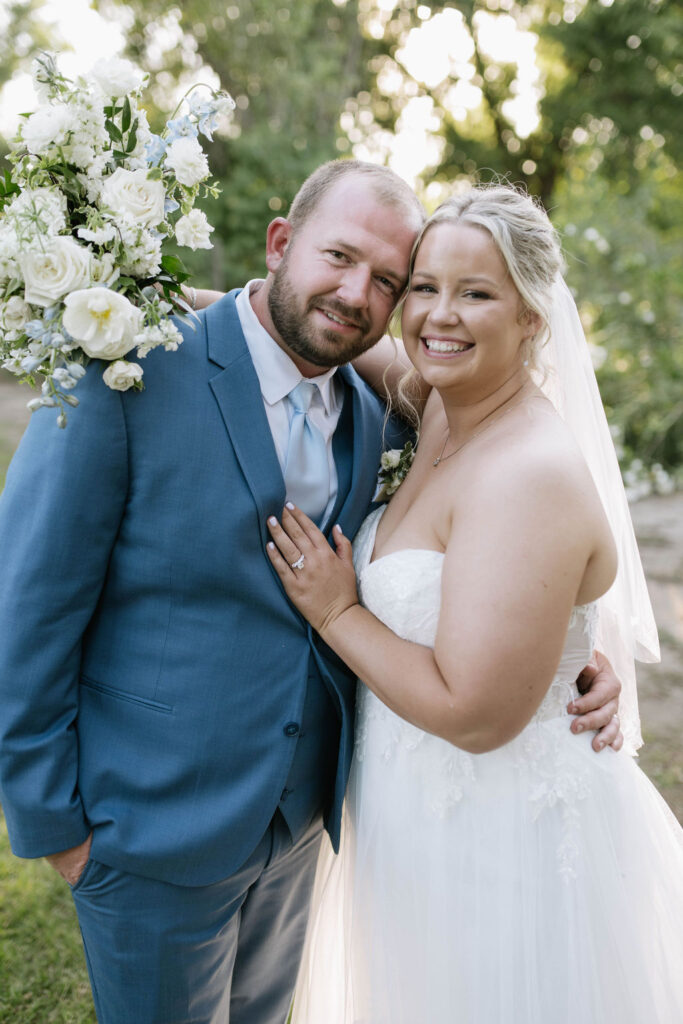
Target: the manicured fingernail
(289, 505)
(578, 728)
(270, 545)
(601, 744)
(272, 521)
(337, 528)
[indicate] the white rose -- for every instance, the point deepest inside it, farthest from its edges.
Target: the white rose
(134, 195)
(63, 266)
(391, 459)
(186, 158)
(13, 315)
(48, 126)
(116, 76)
(120, 376)
(103, 322)
(193, 230)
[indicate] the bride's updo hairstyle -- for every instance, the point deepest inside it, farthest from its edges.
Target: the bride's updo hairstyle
(525, 238)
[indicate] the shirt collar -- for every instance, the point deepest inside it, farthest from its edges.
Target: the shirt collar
(276, 372)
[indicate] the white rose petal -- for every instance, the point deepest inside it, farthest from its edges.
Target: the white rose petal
(120, 376)
(186, 158)
(14, 314)
(116, 76)
(391, 459)
(103, 322)
(193, 230)
(63, 266)
(134, 195)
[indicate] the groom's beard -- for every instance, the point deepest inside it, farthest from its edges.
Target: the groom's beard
(294, 323)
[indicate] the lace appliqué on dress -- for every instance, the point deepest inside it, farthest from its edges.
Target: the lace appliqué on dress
(558, 778)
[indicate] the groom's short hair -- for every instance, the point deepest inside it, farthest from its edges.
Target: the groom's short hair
(387, 186)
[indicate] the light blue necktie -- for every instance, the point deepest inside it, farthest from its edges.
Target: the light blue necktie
(307, 471)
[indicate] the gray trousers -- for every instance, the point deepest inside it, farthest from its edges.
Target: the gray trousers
(228, 952)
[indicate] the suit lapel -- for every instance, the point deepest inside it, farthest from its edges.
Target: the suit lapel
(360, 438)
(357, 443)
(237, 391)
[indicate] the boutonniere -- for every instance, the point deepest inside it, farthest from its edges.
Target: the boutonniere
(394, 466)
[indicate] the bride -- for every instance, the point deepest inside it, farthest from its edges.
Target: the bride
(493, 870)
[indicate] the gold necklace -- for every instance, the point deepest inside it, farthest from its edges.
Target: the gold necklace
(440, 457)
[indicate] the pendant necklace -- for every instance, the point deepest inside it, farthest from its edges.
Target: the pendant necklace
(442, 458)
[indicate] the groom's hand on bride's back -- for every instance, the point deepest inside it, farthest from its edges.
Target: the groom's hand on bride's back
(598, 706)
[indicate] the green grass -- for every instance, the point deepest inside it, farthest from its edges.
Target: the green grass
(43, 979)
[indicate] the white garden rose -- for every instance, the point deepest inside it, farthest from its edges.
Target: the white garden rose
(116, 76)
(121, 375)
(186, 158)
(134, 195)
(103, 322)
(391, 458)
(62, 266)
(193, 230)
(13, 315)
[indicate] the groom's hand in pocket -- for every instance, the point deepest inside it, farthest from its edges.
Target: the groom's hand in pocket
(70, 863)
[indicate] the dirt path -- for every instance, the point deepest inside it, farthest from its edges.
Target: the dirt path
(658, 524)
(659, 527)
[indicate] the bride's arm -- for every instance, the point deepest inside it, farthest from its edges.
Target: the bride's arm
(200, 298)
(383, 366)
(512, 570)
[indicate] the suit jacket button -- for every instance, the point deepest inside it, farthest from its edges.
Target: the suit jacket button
(291, 729)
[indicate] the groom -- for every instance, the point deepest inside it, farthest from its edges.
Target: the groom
(173, 737)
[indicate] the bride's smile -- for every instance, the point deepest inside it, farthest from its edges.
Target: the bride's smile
(463, 322)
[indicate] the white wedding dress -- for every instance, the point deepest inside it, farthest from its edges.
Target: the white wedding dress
(540, 883)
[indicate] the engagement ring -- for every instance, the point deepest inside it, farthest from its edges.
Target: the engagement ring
(299, 564)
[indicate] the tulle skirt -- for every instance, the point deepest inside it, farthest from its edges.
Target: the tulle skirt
(537, 884)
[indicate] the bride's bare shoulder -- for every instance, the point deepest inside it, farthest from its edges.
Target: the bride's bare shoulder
(531, 453)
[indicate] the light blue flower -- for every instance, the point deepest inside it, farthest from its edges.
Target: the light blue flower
(36, 329)
(29, 364)
(170, 206)
(155, 149)
(207, 111)
(180, 128)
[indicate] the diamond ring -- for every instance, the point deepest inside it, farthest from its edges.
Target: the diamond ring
(299, 564)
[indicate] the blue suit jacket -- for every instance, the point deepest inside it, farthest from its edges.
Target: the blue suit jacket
(149, 658)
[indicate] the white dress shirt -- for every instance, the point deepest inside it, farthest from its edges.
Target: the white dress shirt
(277, 376)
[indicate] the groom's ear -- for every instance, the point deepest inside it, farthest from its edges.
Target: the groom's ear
(278, 238)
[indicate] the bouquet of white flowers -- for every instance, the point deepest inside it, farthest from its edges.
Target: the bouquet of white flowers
(83, 214)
